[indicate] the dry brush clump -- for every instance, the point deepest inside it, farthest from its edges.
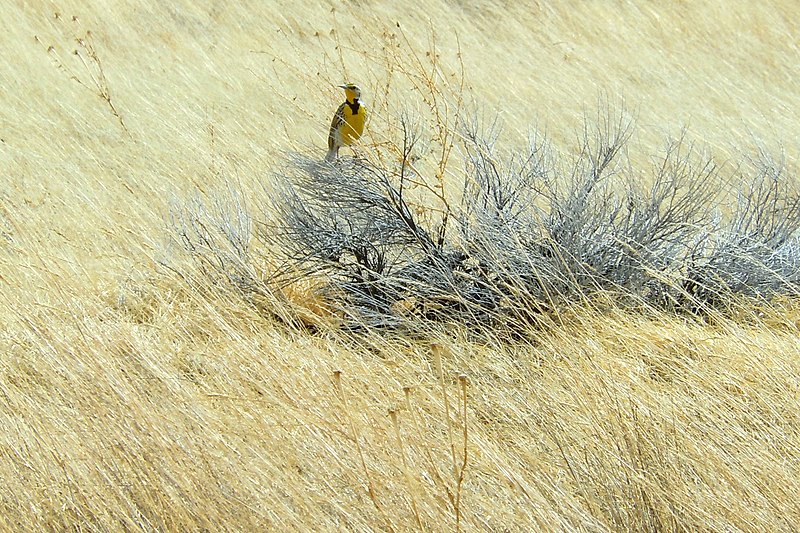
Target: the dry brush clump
(434, 222)
(525, 236)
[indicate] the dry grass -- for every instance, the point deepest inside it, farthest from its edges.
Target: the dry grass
(131, 400)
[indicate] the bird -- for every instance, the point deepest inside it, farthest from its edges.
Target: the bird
(348, 121)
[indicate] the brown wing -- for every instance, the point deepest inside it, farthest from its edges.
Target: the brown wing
(336, 123)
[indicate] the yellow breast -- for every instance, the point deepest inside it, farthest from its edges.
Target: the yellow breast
(353, 123)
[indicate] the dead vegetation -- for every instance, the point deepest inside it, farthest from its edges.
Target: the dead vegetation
(228, 392)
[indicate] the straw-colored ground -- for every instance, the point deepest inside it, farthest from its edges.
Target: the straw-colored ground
(129, 401)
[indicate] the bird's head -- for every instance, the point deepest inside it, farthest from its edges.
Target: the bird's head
(351, 92)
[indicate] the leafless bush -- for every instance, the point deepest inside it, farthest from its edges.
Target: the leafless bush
(555, 232)
(218, 238)
(756, 252)
(529, 234)
(352, 224)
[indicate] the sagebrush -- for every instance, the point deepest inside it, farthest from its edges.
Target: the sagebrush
(525, 235)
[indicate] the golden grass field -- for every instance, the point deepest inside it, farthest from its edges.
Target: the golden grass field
(130, 400)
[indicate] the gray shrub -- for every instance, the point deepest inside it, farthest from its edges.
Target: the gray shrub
(528, 234)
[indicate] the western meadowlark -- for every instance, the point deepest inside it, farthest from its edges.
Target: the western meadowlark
(348, 121)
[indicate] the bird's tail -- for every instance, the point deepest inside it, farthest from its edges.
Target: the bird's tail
(332, 153)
